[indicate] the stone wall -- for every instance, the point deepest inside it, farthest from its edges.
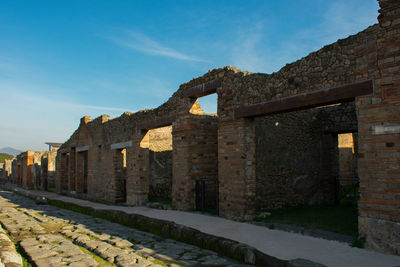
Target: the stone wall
(6, 170)
(230, 149)
(33, 169)
(295, 152)
(107, 177)
(160, 175)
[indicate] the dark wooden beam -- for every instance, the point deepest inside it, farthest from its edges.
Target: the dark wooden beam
(207, 88)
(335, 95)
(157, 123)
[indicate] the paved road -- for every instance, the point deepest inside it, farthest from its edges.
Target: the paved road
(51, 236)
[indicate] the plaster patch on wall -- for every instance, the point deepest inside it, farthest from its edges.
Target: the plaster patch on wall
(82, 148)
(386, 128)
(122, 145)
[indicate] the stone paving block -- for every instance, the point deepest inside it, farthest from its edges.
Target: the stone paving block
(57, 260)
(11, 257)
(115, 243)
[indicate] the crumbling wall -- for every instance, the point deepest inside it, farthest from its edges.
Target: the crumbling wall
(372, 54)
(6, 171)
(8, 168)
(347, 61)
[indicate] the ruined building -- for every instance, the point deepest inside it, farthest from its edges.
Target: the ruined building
(282, 139)
(31, 170)
(5, 170)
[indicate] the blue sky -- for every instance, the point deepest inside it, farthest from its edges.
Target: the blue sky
(61, 60)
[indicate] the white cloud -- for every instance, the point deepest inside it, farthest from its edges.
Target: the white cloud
(29, 120)
(245, 54)
(339, 21)
(250, 50)
(141, 42)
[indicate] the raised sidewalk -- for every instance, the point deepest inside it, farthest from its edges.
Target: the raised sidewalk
(242, 241)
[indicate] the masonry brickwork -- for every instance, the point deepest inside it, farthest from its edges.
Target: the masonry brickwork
(295, 154)
(33, 170)
(273, 142)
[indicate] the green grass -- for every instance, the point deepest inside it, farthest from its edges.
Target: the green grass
(160, 200)
(25, 261)
(102, 262)
(4, 156)
(159, 262)
(341, 218)
(359, 243)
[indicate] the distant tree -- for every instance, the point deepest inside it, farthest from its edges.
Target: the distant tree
(4, 156)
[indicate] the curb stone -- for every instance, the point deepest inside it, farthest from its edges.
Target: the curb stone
(303, 263)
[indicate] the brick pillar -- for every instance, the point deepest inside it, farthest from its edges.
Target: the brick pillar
(64, 172)
(119, 175)
(138, 170)
(29, 170)
(236, 169)
(60, 172)
(379, 141)
(194, 159)
(72, 170)
(79, 171)
(183, 187)
(19, 171)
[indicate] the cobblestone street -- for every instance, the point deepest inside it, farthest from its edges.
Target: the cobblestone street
(50, 236)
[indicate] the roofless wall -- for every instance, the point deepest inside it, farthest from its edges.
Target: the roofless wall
(362, 70)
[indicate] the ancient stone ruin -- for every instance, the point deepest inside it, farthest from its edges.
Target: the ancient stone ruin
(282, 139)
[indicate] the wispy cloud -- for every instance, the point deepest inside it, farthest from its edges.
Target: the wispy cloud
(143, 43)
(30, 119)
(252, 49)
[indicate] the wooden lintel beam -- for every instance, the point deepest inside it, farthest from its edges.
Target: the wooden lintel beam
(203, 89)
(157, 123)
(335, 95)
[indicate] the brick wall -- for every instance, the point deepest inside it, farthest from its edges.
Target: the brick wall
(379, 141)
(194, 157)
